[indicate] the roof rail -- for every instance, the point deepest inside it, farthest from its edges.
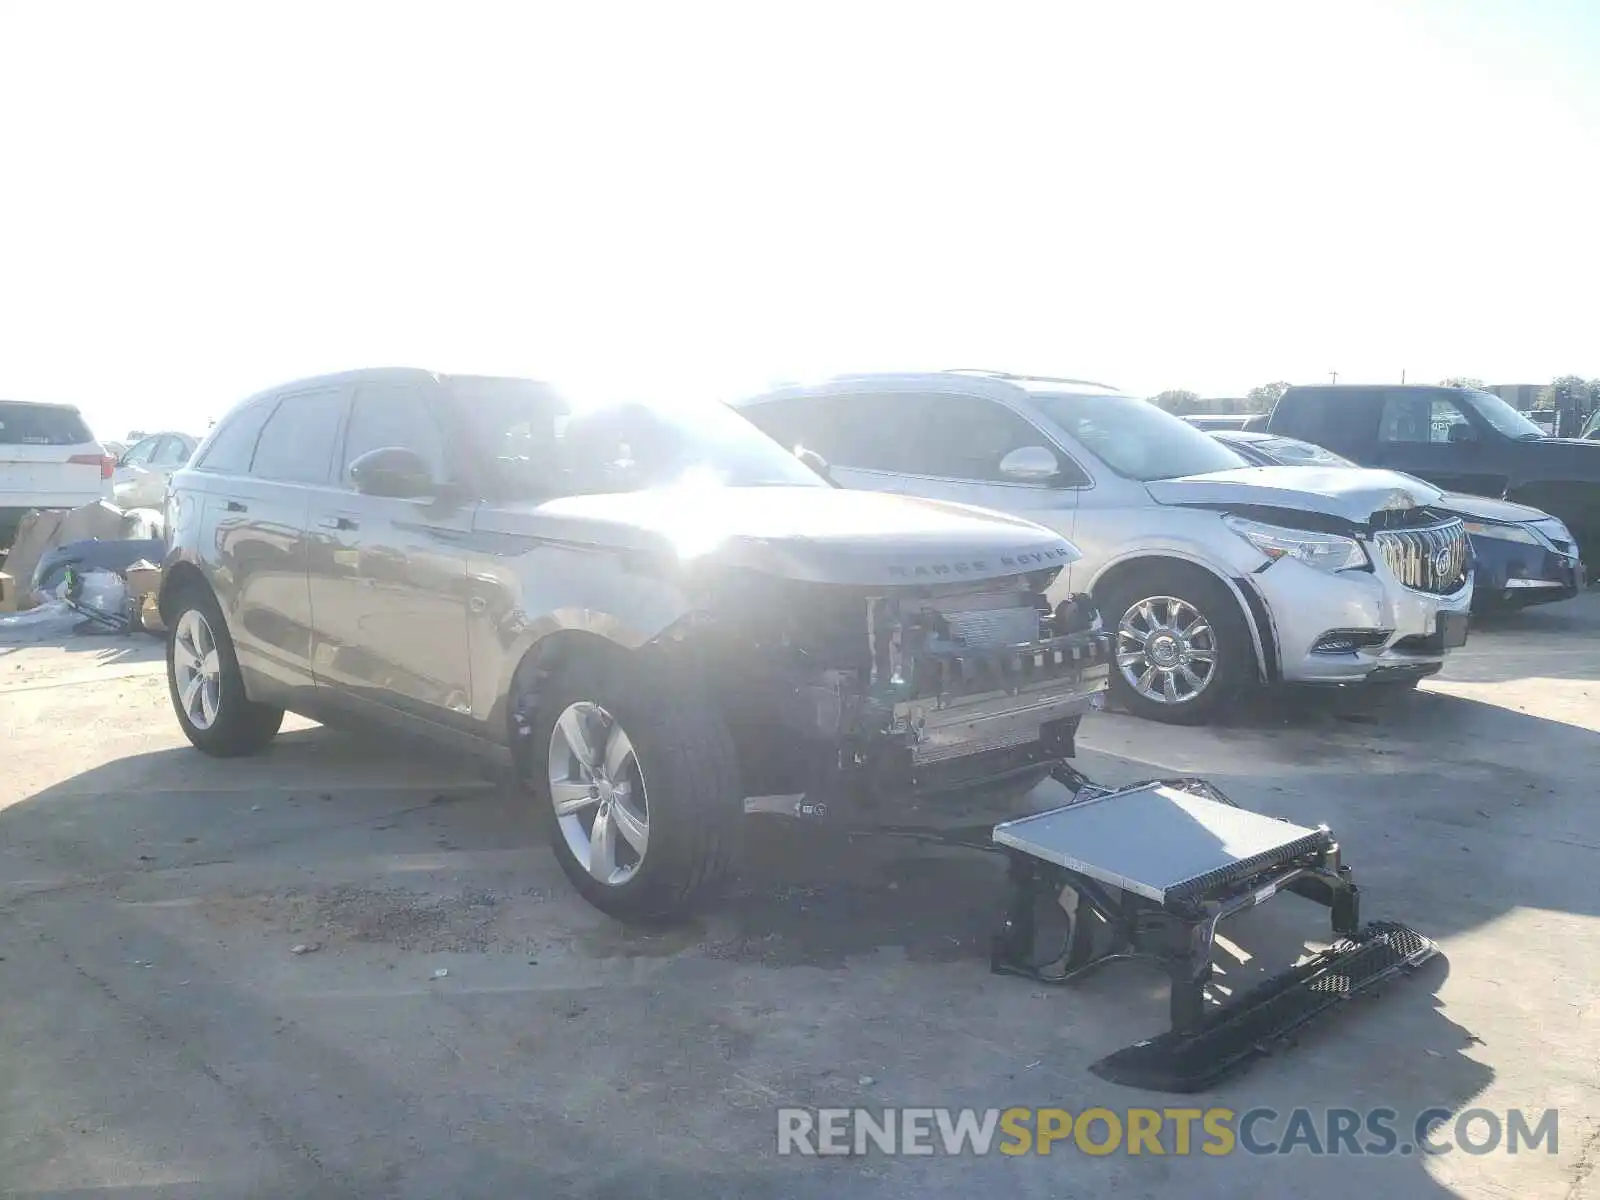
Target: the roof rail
(1031, 378)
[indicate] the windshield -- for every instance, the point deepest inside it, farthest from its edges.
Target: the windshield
(1291, 452)
(1501, 415)
(1136, 439)
(543, 447)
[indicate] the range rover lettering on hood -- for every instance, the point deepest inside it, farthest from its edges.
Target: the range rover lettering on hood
(1351, 494)
(1026, 561)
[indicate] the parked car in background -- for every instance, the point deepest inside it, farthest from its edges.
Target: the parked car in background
(1214, 575)
(1210, 421)
(665, 620)
(1522, 556)
(1458, 439)
(48, 459)
(144, 469)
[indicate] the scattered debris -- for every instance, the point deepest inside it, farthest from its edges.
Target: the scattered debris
(866, 1081)
(1434, 1054)
(441, 973)
(305, 948)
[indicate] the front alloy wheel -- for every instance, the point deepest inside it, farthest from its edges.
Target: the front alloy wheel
(1166, 650)
(598, 793)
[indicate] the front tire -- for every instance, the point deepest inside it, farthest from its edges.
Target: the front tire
(1182, 647)
(206, 686)
(638, 786)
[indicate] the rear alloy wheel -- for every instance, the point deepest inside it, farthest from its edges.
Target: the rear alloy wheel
(1183, 649)
(207, 689)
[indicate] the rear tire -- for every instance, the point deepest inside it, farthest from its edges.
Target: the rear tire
(662, 773)
(205, 683)
(1192, 629)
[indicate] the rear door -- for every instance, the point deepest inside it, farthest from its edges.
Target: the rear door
(1344, 420)
(268, 463)
(388, 576)
(48, 458)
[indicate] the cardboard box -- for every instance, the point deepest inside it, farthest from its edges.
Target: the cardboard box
(150, 614)
(143, 579)
(8, 593)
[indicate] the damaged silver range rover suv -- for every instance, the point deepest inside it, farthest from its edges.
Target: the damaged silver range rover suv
(661, 617)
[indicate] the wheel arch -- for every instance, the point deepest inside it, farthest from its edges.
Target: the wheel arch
(538, 662)
(1252, 606)
(175, 579)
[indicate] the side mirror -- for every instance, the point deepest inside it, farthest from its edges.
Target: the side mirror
(1030, 464)
(815, 461)
(393, 472)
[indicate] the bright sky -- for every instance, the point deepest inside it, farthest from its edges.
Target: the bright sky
(201, 200)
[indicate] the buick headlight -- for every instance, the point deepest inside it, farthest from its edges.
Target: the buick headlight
(1325, 551)
(1506, 533)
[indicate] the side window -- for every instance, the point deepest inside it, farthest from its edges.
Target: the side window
(965, 437)
(1338, 420)
(140, 453)
(1418, 417)
(296, 444)
(173, 452)
(232, 445)
(392, 414)
(860, 431)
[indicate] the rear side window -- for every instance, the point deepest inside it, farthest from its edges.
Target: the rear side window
(234, 443)
(1339, 420)
(296, 444)
(41, 425)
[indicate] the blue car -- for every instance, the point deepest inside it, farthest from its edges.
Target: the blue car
(1525, 556)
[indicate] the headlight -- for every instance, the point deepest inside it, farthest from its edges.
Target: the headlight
(1325, 551)
(1506, 533)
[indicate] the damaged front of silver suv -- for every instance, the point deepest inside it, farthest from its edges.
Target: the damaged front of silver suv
(674, 627)
(815, 654)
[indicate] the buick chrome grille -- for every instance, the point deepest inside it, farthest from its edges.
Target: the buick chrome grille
(1431, 559)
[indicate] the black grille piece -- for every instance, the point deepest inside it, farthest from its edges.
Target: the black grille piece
(1431, 559)
(1248, 1025)
(1348, 641)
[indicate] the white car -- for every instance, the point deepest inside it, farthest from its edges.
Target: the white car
(144, 470)
(1215, 574)
(48, 459)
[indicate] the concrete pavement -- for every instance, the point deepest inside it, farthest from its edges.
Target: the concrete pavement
(161, 1038)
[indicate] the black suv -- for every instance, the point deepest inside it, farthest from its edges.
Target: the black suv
(1458, 439)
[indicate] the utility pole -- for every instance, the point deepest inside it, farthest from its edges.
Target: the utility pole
(1402, 375)
(1334, 375)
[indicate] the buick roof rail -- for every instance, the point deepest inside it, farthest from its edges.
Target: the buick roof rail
(1029, 378)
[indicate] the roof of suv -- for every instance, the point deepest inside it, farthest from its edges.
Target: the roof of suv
(999, 379)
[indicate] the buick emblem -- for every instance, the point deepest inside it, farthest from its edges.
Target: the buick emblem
(1443, 560)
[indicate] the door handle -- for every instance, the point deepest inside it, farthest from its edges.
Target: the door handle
(337, 523)
(236, 506)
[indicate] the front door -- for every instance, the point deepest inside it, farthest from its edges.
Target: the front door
(1432, 435)
(389, 576)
